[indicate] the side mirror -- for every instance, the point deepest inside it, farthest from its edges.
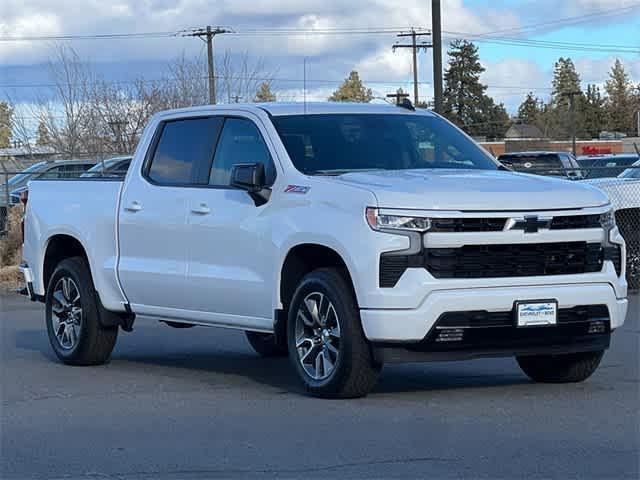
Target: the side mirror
(251, 178)
(248, 176)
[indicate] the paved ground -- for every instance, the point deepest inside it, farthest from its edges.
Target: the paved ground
(197, 403)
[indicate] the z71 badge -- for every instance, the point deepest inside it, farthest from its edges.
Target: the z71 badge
(296, 189)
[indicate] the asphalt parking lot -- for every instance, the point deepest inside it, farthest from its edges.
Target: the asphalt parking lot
(198, 403)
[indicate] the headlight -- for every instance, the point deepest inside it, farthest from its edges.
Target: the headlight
(378, 221)
(608, 220)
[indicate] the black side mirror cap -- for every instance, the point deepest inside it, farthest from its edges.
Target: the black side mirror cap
(251, 178)
(248, 176)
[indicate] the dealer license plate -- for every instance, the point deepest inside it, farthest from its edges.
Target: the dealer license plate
(544, 312)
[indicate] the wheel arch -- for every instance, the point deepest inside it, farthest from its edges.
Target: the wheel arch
(59, 247)
(304, 258)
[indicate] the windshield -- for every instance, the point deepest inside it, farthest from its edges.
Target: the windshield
(632, 172)
(341, 143)
(16, 179)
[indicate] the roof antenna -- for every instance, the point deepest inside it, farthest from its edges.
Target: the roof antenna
(304, 84)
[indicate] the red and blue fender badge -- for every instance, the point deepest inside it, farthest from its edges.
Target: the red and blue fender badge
(296, 189)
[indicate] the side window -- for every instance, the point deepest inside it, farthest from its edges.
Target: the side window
(54, 172)
(240, 142)
(183, 152)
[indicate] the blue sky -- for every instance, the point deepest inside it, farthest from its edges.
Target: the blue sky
(512, 70)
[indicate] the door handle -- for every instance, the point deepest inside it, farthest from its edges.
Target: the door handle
(133, 207)
(203, 209)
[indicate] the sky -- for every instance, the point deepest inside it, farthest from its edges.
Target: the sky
(599, 31)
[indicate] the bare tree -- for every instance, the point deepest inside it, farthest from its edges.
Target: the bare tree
(240, 77)
(66, 115)
(86, 115)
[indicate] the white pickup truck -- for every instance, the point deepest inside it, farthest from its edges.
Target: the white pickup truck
(343, 235)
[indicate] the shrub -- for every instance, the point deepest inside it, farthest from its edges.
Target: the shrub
(11, 248)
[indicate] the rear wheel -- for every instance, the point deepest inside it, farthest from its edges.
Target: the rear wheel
(327, 346)
(567, 368)
(265, 344)
(71, 315)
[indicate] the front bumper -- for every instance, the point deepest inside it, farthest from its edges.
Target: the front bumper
(414, 325)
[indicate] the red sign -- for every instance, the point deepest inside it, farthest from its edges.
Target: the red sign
(591, 150)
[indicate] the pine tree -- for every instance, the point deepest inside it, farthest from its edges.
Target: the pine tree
(556, 116)
(464, 100)
(619, 100)
(6, 114)
(530, 109)
(594, 112)
(264, 93)
(565, 80)
(352, 90)
(43, 137)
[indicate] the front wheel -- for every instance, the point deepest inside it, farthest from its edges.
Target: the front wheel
(327, 346)
(567, 368)
(72, 316)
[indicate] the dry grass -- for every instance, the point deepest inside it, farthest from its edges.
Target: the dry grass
(11, 250)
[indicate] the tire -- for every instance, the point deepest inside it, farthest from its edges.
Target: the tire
(82, 340)
(567, 368)
(265, 344)
(349, 373)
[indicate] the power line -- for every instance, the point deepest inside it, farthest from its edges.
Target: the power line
(566, 20)
(179, 33)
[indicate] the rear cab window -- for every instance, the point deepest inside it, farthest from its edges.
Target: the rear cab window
(183, 152)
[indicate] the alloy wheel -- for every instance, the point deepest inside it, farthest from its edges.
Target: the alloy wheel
(66, 313)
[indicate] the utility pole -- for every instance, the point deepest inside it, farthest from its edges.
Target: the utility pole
(414, 46)
(572, 116)
(207, 34)
(436, 28)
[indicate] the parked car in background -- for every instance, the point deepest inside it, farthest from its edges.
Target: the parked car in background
(633, 172)
(49, 169)
(112, 168)
(624, 194)
(550, 164)
(606, 166)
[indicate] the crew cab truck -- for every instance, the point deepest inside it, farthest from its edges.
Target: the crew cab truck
(343, 235)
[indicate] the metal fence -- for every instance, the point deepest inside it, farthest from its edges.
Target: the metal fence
(621, 185)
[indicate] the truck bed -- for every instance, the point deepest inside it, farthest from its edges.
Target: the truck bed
(87, 210)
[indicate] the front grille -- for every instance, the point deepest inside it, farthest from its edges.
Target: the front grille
(483, 319)
(467, 224)
(614, 253)
(497, 332)
(391, 269)
(514, 260)
(575, 221)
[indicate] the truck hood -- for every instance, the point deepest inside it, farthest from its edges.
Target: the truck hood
(479, 190)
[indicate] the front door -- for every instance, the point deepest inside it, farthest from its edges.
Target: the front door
(231, 256)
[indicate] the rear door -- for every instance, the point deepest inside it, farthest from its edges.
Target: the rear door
(154, 232)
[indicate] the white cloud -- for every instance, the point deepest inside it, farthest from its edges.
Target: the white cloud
(510, 80)
(597, 70)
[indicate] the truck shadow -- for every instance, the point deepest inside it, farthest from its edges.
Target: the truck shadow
(233, 369)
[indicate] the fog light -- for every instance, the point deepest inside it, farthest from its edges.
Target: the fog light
(597, 327)
(450, 335)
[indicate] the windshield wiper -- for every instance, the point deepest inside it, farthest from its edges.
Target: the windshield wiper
(341, 171)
